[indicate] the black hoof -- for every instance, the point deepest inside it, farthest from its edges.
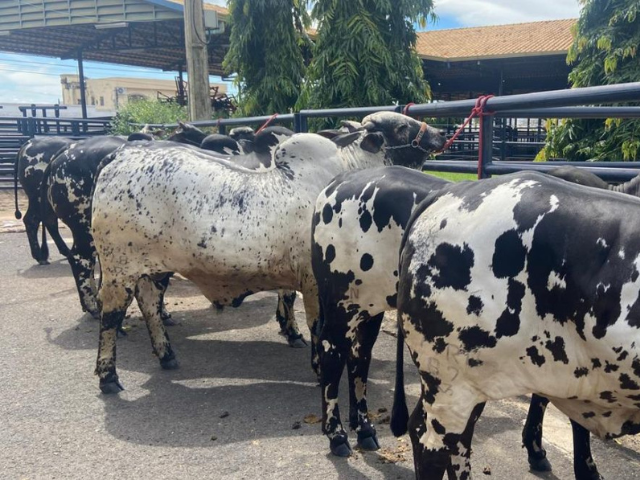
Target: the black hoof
(111, 386)
(43, 262)
(297, 342)
(368, 441)
(340, 446)
(168, 321)
(169, 363)
(539, 464)
(589, 475)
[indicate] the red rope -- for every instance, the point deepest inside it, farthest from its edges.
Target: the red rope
(405, 110)
(269, 120)
(477, 111)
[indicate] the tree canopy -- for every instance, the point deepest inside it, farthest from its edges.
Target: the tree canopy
(265, 51)
(604, 51)
(365, 53)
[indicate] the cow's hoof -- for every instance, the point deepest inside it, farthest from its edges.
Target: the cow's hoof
(539, 463)
(111, 385)
(169, 363)
(368, 441)
(297, 342)
(340, 446)
(43, 262)
(168, 321)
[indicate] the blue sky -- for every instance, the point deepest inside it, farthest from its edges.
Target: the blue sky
(29, 79)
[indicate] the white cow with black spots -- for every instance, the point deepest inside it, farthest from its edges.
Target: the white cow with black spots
(514, 285)
(232, 228)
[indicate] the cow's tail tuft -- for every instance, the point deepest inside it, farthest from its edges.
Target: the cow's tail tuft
(17, 213)
(399, 411)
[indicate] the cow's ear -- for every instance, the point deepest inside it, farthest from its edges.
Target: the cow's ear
(345, 139)
(329, 133)
(372, 142)
(351, 125)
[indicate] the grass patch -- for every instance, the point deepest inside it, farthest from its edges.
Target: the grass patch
(454, 177)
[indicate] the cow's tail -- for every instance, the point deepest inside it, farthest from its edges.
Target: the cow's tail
(399, 412)
(18, 213)
(45, 207)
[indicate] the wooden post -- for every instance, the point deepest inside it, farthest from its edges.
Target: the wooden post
(197, 61)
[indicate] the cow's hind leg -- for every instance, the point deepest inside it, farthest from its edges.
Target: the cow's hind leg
(163, 282)
(312, 312)
(115, 298)
(149, 296)
(334, 349)
(448, 427)
(584, 466)
(532, 435)
(285, 316)
(363, 336)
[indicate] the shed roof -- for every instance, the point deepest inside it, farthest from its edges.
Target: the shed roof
(551, 37)
(146, 33)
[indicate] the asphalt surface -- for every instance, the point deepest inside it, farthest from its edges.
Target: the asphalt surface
(228, 412)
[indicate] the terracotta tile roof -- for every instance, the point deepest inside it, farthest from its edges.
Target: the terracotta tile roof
(500, 41)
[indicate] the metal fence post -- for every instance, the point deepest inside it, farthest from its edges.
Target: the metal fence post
(222, 130)
(296, 122)
(487, 146)
(304, 126)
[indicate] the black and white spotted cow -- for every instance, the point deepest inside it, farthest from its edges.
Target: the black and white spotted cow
(367, 213)
(66, 190)
(513, 285)
(231, 227)
(31, 161)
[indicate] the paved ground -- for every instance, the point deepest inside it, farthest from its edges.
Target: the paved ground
(54, 423)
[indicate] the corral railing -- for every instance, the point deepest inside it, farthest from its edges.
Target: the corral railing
(569, 103)
(15, 131)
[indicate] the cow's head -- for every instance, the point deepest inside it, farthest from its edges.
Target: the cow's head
(406, 141)
(242, 133)
(188, 134)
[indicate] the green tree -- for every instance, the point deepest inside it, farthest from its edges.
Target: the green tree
(265, 51)
(146, 111)
(604, 52)
(365, 53)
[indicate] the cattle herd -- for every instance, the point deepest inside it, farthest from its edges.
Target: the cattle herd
(525, 283)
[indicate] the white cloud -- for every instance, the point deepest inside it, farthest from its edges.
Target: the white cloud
(28, 87)
(470, 13)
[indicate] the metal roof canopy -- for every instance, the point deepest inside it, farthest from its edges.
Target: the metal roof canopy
(142, 33)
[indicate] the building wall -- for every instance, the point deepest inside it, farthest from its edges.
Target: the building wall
(112, 93)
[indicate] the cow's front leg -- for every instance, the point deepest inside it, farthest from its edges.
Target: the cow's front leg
(584, 466)
(82, 260)
(532, 435)
(149, 296)
(362, 332)
(31, 222)
(115, 298)
(312, 312)
(163, 282)
(285, 316)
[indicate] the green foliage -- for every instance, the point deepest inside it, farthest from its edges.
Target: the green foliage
(365, 54)
(267, 38)
(146, 111)
(604, 52)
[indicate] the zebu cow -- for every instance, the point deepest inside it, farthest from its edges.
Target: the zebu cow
(513, 285)
(368, 212)
(233, 229)
(31, 161)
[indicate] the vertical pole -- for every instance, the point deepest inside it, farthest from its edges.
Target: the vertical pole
(197, 61)
(486, 130)
(83, 99)
(181, 100)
